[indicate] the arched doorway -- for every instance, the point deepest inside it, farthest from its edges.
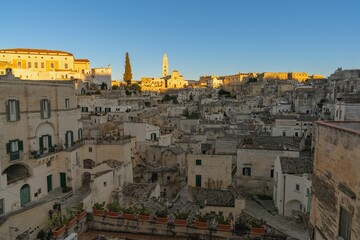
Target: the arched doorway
(24, 194)
(292, 206)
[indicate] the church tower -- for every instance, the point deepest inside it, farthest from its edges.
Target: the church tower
(165, 66)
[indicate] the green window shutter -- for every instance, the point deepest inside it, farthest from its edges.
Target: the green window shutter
(17, 103)
(72, 138)
(50, 141)
(41, 108)
(41, 144)
(8, 147)
(49, 114)
(7, 110)
(66, 138)
(21, 145)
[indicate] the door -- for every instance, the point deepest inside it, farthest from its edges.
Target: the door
(62, 179)
(198, 181)
(24, 195)
(49, 183)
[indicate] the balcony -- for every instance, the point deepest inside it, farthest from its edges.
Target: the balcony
(73, 146)
(44, 153)
(13, 156)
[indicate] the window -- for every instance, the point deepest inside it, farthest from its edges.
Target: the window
(69, 139)
(13, 110)
(29, 64)
(80, 134)
(297, 187)
(35, 64)
(153, 136)
(105, 184)
(198, 161)
(90, 149)
(13, 148)
(272, 173)
(284, 134)
(344, 224)
(19, 64)
(296, 134)
(107, 109)
(247, 171)
(84, 109)
(42, 65)
(67, 103)
(168, 178)
(66, 66)
(2, 206)
(97, 109)
(45, 108)
(45, 143)
(52, 65)
(198, 180)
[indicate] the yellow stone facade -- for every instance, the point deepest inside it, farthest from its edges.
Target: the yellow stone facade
(42, 64)
(173, 81)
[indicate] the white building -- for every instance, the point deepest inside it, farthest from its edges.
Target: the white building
(292, 185)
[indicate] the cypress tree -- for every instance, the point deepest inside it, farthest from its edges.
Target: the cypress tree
(127, 73)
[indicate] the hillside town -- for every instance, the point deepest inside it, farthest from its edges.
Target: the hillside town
(248, 155)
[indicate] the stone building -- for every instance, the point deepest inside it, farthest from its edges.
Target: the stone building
(347, 108)
(345, 81)
(335, 208)
(304, 99)
(209, 171)
(256, 158)
(292, 185)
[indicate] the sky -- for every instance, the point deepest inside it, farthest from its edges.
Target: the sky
(200, 37)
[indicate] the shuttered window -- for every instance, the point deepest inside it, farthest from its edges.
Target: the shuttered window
(12, 110)
(45, 108)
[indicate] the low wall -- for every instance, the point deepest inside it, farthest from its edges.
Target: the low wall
(140, 227)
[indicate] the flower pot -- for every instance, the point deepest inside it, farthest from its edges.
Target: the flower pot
(201, 225)
(180, 222)
(224, 227)
(144, 218)
(81, 215)
(59, 231)
(112, 214)
(161, 220)
(71, 223)
(257, 231)
(129, 216)
(98, 212)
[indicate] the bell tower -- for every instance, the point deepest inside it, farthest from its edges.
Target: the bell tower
(165, 66)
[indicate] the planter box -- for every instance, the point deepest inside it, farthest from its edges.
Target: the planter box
(97, 212)
(180, 222)
(144, 218)
(71, 223)
(129, 216)
(58, 231)
(161, 220)
(257, 231)
(111, 214)
(201, 225)
(224, 227)
(81, 215)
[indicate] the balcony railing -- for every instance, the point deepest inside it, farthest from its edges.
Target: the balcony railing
(13, 156)
(44, 153)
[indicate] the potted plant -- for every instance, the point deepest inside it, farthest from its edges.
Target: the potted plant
(144, 214)
(70, 219)
(98, 209)
(128, 213)
(201, 221)
(57, 225)
(80, 211)
(257, 227)
(181, 218)
(223, 224)
(114, 210)
(161, 216)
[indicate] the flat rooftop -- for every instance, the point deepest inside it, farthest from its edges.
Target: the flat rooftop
(351, 126)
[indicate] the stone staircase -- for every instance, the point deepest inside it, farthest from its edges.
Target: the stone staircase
(77, 197)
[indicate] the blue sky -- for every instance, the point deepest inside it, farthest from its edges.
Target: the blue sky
(200, 37)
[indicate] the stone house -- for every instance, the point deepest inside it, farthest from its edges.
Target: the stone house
(292, 185)
(335, 210)
(256, 157)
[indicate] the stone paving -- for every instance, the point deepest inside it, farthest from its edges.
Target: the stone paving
(281, 223)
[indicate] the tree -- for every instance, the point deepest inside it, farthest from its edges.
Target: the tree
(127, 73)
